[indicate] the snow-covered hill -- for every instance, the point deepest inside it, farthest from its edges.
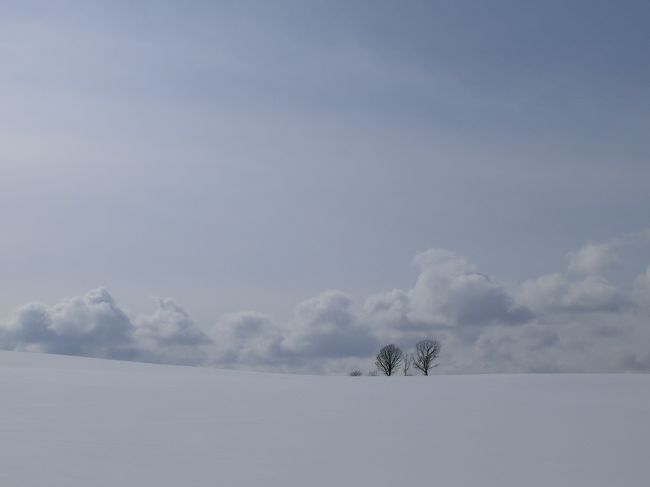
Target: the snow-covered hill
(69, 421)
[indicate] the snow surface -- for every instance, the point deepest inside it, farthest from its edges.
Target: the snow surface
(70, 421)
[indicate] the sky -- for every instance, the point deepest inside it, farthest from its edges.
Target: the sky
(296, 183)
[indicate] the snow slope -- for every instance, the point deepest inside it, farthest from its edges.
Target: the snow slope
(69, 421)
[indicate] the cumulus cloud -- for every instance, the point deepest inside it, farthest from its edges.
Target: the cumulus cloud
(169, 325)
(247, 338)
(90, 325)
(543, 293)
(594, 258)
(168, 335)
(326, 326)
(449, 293)
(94, 325)
(592, 294)
(556, 293)
(573, 321)
(322, 329)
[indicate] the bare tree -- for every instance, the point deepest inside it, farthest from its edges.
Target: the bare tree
(426, 353)
(406, 364)
(356, 373)
(372, 373)
(389, 359)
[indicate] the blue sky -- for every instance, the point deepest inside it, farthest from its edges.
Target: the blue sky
(249, 155)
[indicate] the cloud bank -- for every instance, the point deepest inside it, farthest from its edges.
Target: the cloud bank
(572, 321)
(93, 325)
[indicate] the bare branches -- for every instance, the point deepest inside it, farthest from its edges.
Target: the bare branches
(389, 359)
(426, 353)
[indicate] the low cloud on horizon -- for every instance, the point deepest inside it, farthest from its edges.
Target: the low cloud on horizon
(578, 320)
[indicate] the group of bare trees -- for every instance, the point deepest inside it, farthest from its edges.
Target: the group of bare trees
(391, 360)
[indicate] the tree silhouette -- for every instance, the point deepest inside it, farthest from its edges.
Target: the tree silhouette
(389, 359)
(426, 352)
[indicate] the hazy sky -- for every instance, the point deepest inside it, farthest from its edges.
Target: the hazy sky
(252, 155)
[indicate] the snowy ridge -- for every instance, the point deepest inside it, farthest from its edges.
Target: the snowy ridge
(70, 421)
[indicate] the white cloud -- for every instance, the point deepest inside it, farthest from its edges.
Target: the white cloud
(449, 291)
(543, 293)
(85, 325)
(555, 322)
(556, 293)
(323, 329)
(93, 325)
(594, 258)
(169, 335)
(326, 326)
(169, 324)
(592, 294)
(246, 338)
